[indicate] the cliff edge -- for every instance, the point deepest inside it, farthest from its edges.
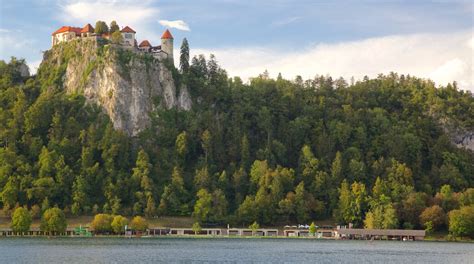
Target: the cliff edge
(126, 83)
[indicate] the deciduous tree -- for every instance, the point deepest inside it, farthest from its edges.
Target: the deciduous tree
(21, 220)
(53, 221)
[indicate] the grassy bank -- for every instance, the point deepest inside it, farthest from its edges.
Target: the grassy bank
(168, 221)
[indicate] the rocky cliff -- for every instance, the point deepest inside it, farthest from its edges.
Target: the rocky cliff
(127, 84)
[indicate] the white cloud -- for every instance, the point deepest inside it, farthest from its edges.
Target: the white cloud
(138, 14)
(2, 30)
(286, 21)
(11, 45)
(178, 24)
(441, 57)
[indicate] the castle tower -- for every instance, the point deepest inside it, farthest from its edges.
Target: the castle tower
(167, 44)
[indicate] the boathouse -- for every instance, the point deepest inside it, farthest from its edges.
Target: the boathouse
(389, 234)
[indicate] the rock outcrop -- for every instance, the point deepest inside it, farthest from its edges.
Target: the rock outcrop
(126, 83)
(461, 138)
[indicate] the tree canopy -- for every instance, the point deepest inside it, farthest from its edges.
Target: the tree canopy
(53, 221)
(267, 151)
(21, 220)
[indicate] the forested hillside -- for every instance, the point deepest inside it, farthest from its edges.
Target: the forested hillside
(373, 152)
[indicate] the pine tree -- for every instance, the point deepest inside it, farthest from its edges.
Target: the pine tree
(245, 152)
(101, 27)
(184, 56)
(344, 208)
(206, 143)
(141, 177)
(114, 27)
(79, 195)
(203, 205)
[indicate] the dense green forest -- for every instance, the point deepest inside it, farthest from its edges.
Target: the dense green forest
(372, 152)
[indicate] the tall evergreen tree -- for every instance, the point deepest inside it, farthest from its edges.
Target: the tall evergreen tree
(114, 27)
(184, 56)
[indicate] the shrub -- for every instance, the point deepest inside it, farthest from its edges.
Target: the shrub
(35, 211)
(435, 214)
(117, 37)
(196, 228)
(461, 222)
(21, 220)
(102, 223)
(139, 223)
(119, 223)
(53, 221)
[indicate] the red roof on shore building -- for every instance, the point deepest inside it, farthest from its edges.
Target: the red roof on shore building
(127, 29)
(167, 35)
(144, 43)
(87, 29)
(63, 29)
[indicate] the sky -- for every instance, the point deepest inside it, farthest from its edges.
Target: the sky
(426, 38)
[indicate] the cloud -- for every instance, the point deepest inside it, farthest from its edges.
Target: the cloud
(134, 13)
(178, 24)
(441, 57)
(286, 21)
(14, 45)
(128, 12)
(2, 30)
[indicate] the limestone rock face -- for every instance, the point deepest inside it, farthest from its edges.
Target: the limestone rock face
(127, 84)
(24, 70)
(463, 139)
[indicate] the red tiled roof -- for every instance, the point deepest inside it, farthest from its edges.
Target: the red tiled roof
(63, 29)
(87, 29)
(127, 29)
(144, 43)
(167, 35)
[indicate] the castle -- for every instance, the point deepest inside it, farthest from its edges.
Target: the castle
(163, 51)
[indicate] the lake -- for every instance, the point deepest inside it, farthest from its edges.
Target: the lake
(229, 250)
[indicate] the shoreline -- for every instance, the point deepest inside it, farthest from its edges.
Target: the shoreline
(210, 237)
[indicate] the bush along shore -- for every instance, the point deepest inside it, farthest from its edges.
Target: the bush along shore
(54, 224)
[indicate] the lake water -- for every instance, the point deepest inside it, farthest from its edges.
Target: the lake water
(228, 250)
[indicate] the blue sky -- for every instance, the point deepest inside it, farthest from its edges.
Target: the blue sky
(432, 39)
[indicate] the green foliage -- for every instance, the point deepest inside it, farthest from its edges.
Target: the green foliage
(173, 199)
(202, 206)
(143, 185)
(429, 227)
(461, 222)
(118, 224)
(269, 150)
(184, 56)
(114, 27)
(467, 197)
(102, 223)
(101, 27)
(53, 221)
(181, 144)
(435, 215)
(116, 37)
(196, 228)
(312, 229)
(413, 206)
(21, 220)
(382, 215)
(139, 224)
(254, 227)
